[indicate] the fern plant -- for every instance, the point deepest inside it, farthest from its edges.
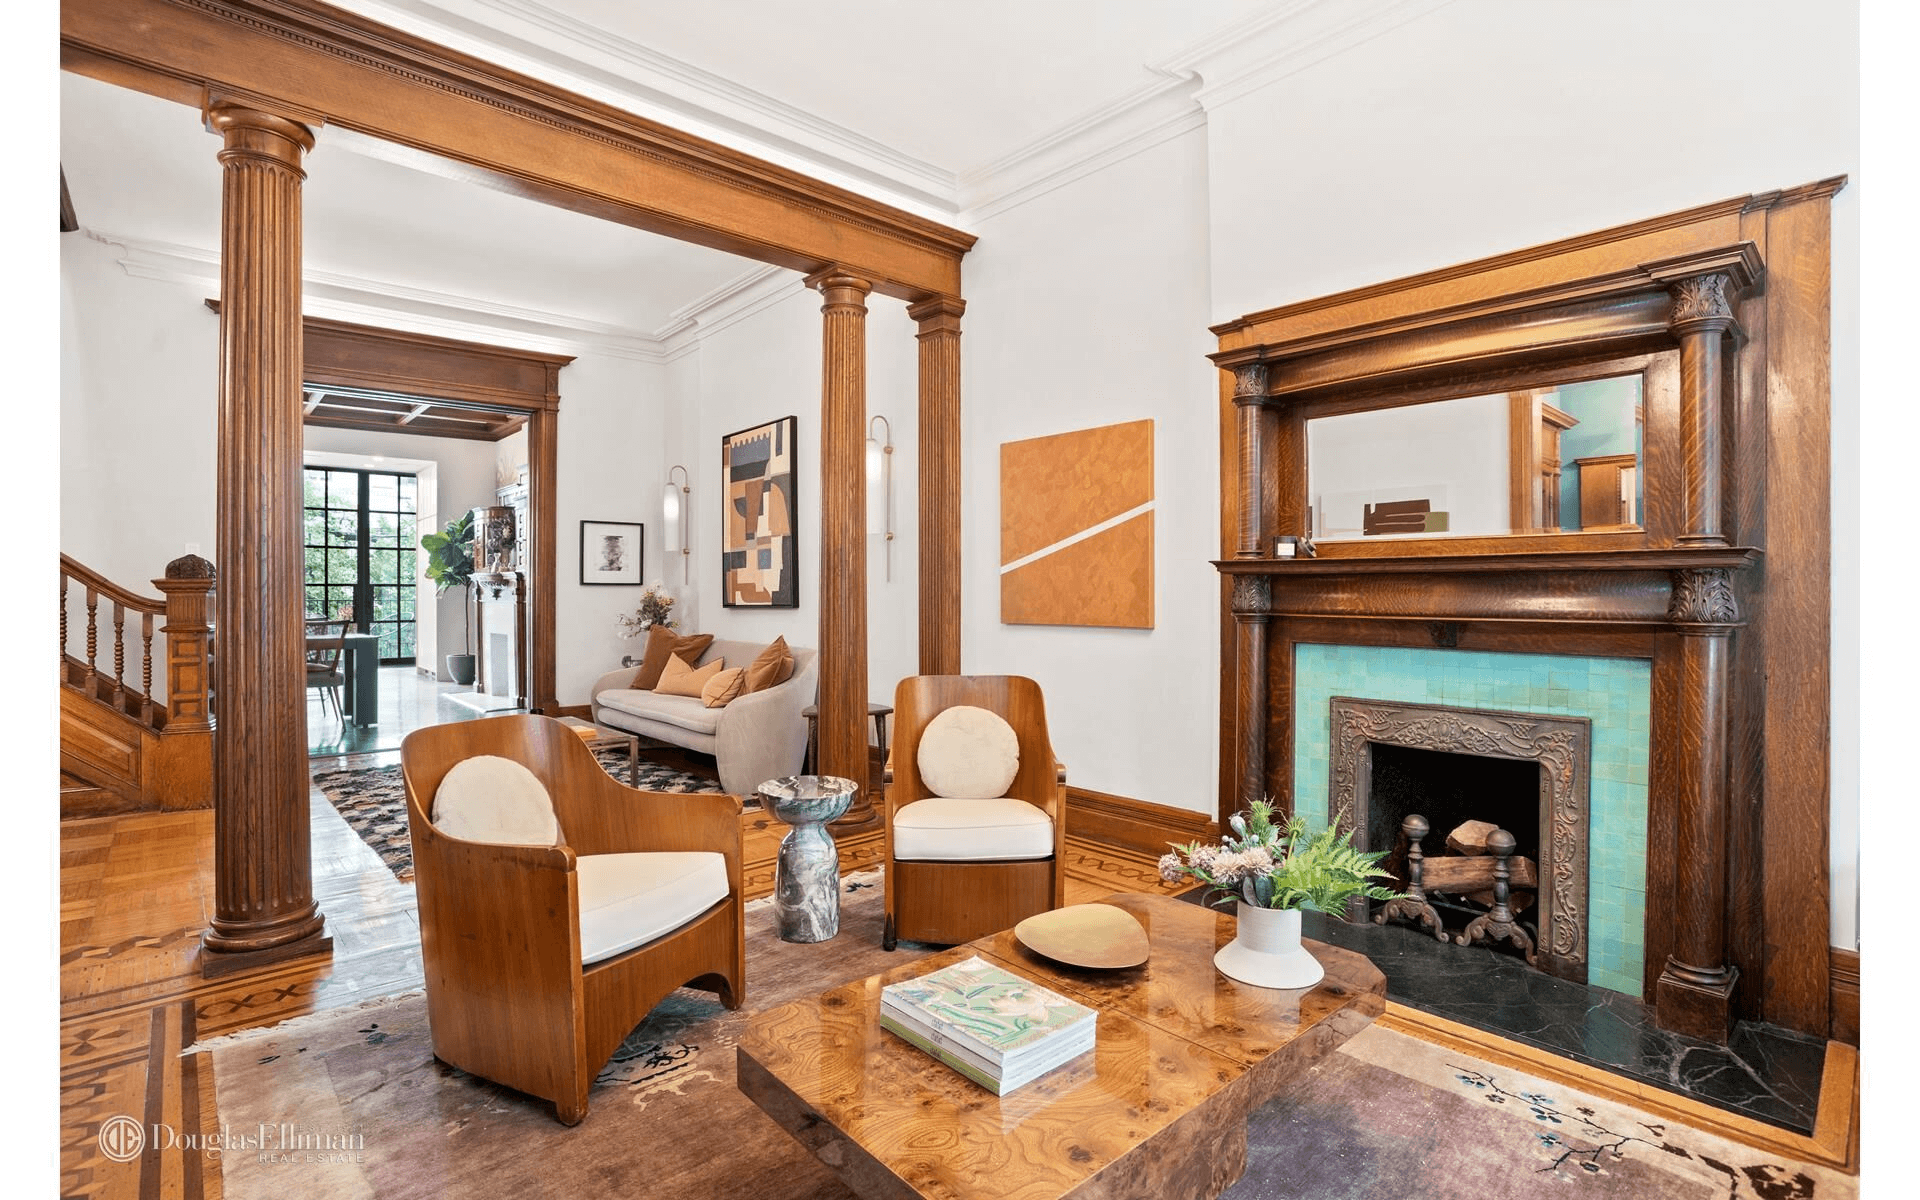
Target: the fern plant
(1279, 866)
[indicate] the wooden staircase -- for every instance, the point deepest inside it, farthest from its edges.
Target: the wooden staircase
(122, 747)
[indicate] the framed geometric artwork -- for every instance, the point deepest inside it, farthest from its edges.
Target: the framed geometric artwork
(610, 551)
(759, 552)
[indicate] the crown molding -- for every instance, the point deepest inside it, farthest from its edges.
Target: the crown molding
(1250, 54)
(419, 310)
(1098, 138)
(539, 41)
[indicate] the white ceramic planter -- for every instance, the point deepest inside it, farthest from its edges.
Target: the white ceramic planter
(1266, 950)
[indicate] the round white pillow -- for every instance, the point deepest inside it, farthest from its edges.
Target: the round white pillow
(968, 753)
(492, 799)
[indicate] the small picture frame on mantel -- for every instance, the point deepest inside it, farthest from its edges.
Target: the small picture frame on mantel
(611, 552)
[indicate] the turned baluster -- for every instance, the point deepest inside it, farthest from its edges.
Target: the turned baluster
(1414, 906)
(63, 628)
(146, 666)
(93, 636)
(119, 654)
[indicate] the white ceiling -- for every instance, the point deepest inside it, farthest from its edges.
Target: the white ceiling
(957, 85)
(904, 100)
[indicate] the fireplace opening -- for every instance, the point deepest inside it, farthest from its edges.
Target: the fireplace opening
(1449, 790)
(1525, 773)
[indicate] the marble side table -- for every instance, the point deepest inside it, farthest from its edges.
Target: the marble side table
(806, 880)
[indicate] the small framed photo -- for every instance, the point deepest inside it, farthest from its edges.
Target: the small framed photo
(610, 552)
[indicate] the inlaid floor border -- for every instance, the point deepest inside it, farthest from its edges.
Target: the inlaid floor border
(1835, 1141)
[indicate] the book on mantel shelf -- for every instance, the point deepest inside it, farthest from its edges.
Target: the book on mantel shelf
(997, 1029)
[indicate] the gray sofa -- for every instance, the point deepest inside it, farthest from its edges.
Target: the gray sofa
(754, 739)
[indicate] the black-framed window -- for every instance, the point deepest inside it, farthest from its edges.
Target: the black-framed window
(362, 537)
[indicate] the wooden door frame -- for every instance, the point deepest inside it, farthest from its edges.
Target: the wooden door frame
(498, 377)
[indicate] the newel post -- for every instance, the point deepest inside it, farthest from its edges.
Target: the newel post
(188, 587)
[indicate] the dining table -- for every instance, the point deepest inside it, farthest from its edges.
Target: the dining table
(361, 703)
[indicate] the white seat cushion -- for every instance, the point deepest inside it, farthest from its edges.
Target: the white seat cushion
(684, 712)
(627, 900)
(492, 799)
(947, 830)
(968, 753)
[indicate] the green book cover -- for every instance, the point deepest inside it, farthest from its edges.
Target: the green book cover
(994, 1011)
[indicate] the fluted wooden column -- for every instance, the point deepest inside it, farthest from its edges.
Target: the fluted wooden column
(843, 536)
(1250, 400)
(1694, 992)
(939, 320)
(1252, 604)
(263, 870)
(1702, 317)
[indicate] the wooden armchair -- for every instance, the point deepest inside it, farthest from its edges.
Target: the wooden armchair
(508, 996)
(934, 896)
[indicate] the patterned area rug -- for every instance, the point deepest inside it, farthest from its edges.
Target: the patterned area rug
(374, 801)
(1387, 1116)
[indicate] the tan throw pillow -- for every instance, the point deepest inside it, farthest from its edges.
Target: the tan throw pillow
(724, 687)
(679, 679)
(773, 667)
(662, 644)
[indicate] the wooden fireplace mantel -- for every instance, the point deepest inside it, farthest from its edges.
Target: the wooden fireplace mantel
(1723, 585)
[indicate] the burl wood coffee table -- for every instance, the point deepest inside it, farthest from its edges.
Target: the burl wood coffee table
(1159, 1107)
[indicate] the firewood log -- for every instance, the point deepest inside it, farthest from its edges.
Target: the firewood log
(1460, 875)
(1471, 837)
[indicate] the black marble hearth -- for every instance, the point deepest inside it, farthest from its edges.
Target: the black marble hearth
(1767, 1073)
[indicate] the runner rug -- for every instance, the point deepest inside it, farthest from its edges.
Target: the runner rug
(1387, 1116)
(374, 801)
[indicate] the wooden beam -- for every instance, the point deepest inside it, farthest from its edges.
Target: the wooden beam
(460, 116)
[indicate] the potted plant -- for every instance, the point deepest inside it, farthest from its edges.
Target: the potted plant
(1272, 872)
(450, 565)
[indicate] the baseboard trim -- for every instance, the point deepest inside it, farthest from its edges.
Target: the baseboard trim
(583, 711)
(1843, 995)
(1130, 824)
(1835, 1127)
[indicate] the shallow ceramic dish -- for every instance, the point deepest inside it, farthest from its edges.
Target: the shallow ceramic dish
(1086, 935)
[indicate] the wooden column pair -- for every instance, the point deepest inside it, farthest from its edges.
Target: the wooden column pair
(264, 908)
(1694, 992)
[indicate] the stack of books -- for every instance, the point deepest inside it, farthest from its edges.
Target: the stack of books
(997, 1029)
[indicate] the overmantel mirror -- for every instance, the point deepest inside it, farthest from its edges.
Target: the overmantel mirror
(1544, 455)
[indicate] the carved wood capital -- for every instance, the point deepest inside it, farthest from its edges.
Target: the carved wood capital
(255, 136)
(1701, 301)
(1250, 383)
(1252, 596)
(937, 315)
(841, 290)
(1703, 597)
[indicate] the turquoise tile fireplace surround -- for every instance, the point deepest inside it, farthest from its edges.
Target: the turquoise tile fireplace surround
(1613, 693)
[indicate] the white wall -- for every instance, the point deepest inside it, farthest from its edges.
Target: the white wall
(1498, 124)
(763, 367)
(1087, 307)
(611, 467)
(460, 477)
(139, 383)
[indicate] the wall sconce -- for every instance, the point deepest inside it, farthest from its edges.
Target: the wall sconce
(880, 476)
(673, 513)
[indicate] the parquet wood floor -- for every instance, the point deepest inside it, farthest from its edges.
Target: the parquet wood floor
(136, 892)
